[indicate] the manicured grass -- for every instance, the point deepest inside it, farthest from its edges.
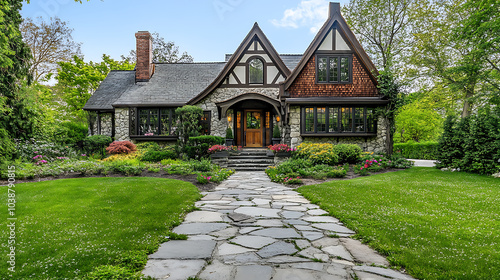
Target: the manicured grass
(437, 225)
(66, 228)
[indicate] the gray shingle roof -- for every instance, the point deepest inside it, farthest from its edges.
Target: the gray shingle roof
(290, 60)
(171, 84)
(115, 84)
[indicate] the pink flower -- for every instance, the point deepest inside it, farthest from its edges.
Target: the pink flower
(84, 155)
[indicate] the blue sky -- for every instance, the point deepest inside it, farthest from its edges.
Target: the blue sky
(205, 29)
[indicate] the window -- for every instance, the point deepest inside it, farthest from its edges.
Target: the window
(338, 120)
(256, 71)
(163, 122)
(205, 123)
(156, 122)
(334, 69)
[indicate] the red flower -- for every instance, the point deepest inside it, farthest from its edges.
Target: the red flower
(366, 165)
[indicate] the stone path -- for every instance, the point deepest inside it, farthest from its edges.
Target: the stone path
(251, 228)
(423, 162)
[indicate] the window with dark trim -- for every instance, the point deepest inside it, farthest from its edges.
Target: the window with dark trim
(338, 120)
(205, 122)
(334, 69)
(256, 71)
(156, 122)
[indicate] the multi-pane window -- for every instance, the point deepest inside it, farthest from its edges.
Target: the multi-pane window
(309, 119)
(338, 119)
(163, 122)
(256, 71)
(205, 123)
(334, 69)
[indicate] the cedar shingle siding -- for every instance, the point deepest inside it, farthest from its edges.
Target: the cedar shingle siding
(305, 84)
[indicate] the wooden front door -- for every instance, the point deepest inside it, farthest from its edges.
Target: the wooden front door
(253, 128)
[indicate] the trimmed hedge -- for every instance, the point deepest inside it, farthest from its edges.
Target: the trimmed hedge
(416, 150)
(197, 147)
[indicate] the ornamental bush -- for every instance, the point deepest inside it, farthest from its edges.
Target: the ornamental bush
(197, 147)
(348, 153)
(471, 144)
(96, 144)
(121, 147)
(415, 150)
(317, 153)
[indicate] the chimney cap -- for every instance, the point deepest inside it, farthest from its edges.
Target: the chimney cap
(334, 8)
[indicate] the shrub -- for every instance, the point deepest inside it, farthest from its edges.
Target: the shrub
(276, 132)
(7, 146)
(415, 150)
(28, 149)
(189, 122)
(71, 133)
(472, 144)
(121, 147)
(317, 153)
(203, 165)
(203, 178)
(157, 156)
(348, 153)
(197, 147)
(180, 169)
(229, 133)
(96, 144)
(361, 170)
(337, 173)
(292, 180)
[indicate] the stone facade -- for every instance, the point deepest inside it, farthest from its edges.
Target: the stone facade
(374, 144)
(122, 124)
(218, 127)
(106, 124)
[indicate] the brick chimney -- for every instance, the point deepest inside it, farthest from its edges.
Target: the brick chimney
(334, 8)
(144, 52)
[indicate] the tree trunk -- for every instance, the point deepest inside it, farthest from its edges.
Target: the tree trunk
(467, 104)
(389, 138)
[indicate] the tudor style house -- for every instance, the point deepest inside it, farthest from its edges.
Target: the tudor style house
(328, 94)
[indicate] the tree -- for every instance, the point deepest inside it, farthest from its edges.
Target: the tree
(163, 52)
(77, 80)
(384, 27)
(14, 65)
(389, 88)
(444, 54)
(50, 43)
(417, 123)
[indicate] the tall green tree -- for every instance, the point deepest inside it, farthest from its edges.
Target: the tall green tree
(77, 79)
(15, 117)
(384, 28)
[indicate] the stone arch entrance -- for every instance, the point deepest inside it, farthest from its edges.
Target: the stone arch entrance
(252, 117)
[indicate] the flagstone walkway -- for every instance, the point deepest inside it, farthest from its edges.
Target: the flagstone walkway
(251, 228)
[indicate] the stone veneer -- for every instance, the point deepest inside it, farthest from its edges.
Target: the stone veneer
(374, 144)
(121, 124)
(218, 127)
(106, 124)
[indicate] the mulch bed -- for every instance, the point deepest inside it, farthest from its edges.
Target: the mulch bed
(188, 178)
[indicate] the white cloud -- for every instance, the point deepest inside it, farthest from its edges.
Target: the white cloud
(309, 13)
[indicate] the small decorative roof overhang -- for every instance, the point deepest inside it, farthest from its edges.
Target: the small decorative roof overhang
(336, 101)
(225, 105)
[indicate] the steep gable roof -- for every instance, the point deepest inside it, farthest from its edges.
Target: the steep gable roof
(173, 84)
(115, 84)
(335, 19)
(255, 33)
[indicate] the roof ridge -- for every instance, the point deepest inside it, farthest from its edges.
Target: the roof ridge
(206, 62)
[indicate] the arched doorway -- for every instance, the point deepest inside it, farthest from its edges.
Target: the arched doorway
(253, 118)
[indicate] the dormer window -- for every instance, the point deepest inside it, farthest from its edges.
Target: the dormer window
(334, 69)
(256, 71)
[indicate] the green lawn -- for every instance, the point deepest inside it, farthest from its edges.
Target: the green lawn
(437, 225)
(66, 228)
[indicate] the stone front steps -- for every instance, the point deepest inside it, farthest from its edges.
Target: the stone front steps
(250, 160)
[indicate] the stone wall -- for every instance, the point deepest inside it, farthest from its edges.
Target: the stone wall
(218, 127)
(121, 124)
(374, 144)
(106, 124)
